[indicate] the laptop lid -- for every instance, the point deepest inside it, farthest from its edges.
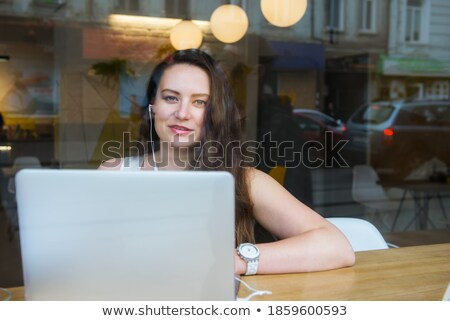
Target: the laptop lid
(104, 235)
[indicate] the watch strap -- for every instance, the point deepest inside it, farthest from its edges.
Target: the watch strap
(252, 267)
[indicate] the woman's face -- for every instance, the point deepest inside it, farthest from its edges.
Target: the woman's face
(180, 104)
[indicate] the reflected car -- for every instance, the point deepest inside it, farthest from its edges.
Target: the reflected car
(397, 137)
(327, 122)
(313, 125)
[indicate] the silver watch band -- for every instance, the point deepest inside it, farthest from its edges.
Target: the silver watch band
(252, 267)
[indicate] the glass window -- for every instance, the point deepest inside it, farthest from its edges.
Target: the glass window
(335, 15)
(374, 114)
(414, 29)
(73, 77)
(367, 15)
(439, 90)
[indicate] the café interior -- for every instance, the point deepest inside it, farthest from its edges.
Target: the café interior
(339, 73)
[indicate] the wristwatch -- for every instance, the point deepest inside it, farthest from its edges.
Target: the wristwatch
(249, 253)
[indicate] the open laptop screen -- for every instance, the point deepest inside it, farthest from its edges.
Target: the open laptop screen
(102, 235)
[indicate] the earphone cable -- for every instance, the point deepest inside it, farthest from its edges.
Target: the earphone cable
(155, 167)
(255, 292)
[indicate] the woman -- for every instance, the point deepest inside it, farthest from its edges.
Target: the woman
(196, 120)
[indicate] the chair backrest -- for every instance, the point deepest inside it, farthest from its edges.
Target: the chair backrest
(362, 235)
(26, 162)
(22, 162)
(365, 188)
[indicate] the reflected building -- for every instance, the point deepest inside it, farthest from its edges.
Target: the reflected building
(417, 63)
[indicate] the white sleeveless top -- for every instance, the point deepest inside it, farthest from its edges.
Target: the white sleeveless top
(132, 163)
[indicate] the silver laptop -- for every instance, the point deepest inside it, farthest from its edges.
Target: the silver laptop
(103, 235)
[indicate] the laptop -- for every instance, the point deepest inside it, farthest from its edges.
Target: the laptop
(106, 235)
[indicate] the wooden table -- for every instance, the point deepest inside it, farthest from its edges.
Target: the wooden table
(409, 273)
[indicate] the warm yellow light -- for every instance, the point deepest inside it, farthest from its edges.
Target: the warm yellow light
(283, 13)
(121, 20)
(186, 35)
(229, 23)
(4, 148)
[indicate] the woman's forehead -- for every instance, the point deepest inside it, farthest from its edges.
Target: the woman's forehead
(182, 68)
(185, 77)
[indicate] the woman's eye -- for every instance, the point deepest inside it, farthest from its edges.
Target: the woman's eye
(170, 99)
(200, 103)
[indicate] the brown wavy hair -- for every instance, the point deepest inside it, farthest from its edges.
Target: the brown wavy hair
(220, 135)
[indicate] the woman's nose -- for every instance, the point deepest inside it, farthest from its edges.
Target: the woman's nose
(183, 112)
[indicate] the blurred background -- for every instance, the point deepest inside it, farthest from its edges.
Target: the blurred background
(353, 94)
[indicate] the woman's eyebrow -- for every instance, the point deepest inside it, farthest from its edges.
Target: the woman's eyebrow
(170, 90)
(177, 93)
(201, 95)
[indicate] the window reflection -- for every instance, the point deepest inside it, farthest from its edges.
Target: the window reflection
(379, 71)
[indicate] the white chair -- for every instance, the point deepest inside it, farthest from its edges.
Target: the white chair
(362, 235)
(9, 203)
(21, 163)
(368, 192)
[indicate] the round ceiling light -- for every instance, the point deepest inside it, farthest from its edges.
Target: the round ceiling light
(283, 13)
(229, 23)
(186, 35)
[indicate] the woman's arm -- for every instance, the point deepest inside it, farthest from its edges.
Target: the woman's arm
(307, 242)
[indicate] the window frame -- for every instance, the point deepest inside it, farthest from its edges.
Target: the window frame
(440, 89)
(340, 27)
(424, 23)
(363, 15)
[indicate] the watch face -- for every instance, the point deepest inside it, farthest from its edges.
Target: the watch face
(249, 251)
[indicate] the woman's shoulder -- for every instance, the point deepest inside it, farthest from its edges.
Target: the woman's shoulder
(254, 174)
(261, 185)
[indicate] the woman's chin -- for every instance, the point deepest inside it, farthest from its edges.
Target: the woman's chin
(183, 141)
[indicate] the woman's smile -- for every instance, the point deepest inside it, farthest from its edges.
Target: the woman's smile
(180, 130)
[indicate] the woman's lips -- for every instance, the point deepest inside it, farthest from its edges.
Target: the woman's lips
(180, 130)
